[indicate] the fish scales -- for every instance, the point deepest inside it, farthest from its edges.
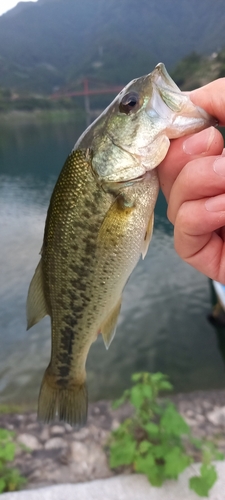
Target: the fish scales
(80, 251)
(99, 222)
(81, 273)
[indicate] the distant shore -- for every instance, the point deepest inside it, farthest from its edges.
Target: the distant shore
(42, 116)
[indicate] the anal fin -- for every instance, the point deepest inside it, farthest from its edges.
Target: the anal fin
(108, 327)
(36, 302)
(148, 236)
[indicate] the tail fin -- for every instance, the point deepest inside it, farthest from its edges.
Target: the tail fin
(69, 404)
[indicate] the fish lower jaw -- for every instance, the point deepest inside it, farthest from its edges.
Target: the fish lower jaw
(147, 175)
(113, 185)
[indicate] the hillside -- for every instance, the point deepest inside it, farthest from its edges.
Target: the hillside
(195, 71)
(53, 43)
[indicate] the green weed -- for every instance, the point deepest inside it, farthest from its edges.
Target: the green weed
(10, 478)
(152, 441)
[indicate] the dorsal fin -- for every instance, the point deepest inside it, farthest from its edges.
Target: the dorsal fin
(36, 303)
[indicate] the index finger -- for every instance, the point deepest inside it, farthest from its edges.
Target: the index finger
(211, 97)
(209, 142)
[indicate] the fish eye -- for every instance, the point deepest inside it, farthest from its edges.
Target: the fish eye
(130, 102)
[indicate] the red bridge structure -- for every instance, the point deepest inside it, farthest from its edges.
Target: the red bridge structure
(87, 92)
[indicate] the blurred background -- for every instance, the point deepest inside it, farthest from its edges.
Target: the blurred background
(61, 63)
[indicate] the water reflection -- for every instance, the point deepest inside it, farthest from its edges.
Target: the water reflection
(163, 324)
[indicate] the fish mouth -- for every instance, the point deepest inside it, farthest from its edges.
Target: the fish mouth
(162, 79)
(175, 107)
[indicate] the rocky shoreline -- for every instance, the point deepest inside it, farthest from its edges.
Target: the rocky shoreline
(60, 454)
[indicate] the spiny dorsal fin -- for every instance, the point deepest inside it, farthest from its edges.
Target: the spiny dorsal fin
(108, 328)
(148, 236)
(36, 303)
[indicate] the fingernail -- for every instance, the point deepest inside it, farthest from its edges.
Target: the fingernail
(219, 166)
(216, 204)
(200, 142)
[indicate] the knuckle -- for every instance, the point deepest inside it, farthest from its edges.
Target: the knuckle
(184, 219)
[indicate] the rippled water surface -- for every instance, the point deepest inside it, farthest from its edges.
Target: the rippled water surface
(163, 324)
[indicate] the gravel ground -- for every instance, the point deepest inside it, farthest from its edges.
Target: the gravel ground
(60, 454)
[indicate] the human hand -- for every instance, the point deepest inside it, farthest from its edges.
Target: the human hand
(192, 178)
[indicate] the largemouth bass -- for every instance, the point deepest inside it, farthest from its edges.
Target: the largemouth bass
(99, 223)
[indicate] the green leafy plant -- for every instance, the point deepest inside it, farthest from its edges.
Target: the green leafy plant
(10, 478)
(153, 439)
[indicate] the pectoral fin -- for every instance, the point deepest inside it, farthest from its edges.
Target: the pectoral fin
(148, 236)
(108, 328)
(36, 303)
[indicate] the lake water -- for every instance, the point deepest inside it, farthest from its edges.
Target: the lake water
(163, 323)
